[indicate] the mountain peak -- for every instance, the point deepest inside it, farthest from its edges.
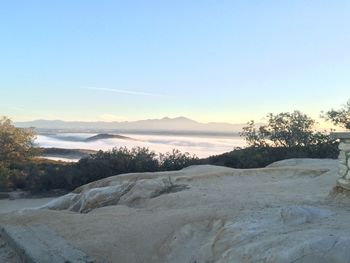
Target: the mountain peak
(180, 118)
(183, 118)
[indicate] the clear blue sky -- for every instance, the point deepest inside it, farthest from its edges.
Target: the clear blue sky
(207, 60)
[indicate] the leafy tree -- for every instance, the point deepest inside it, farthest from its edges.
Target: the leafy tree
(254, 136)
(16, 146)
(339, 117)
(284, 130)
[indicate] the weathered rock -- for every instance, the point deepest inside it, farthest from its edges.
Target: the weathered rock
(344, 147)
(228, 215)
(123, 193)
(7, 253)
(63, 202)
(252, 240)
(145, 189)
(343, 169)
(344, 183)
(40, 244)
(342, 157)
(339, 194)
(100, 197)
(301, 215)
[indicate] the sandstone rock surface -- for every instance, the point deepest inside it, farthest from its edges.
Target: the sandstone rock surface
(344, 159)
(278, 214)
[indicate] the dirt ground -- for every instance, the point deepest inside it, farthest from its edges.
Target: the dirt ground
(7, 205)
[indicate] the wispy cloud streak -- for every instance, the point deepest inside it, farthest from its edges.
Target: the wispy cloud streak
(129, 92)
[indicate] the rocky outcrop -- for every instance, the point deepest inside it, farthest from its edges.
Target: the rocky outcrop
(344, 159)
(296, 215)
(259, 239)
(123, 193)
(278, 214)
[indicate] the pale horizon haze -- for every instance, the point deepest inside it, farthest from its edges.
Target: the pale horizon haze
(210, 61)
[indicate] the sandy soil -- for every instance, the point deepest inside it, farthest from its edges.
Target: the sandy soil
(281, 213)
(7, 205)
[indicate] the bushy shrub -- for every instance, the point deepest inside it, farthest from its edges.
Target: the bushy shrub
(176, 160)
(257, 157)
(43, 175)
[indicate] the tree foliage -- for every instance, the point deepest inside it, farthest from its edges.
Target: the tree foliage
(284, 130)
(16, 146)
(340, 117)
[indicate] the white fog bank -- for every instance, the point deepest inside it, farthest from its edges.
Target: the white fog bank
(201, 146)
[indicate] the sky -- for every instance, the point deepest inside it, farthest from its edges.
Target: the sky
(208, 60)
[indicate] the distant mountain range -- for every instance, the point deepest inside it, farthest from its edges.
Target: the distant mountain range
(177, 125)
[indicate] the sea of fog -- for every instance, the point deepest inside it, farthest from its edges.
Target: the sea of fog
(202, 146)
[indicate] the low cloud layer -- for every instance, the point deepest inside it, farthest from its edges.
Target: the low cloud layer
(200, 146)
